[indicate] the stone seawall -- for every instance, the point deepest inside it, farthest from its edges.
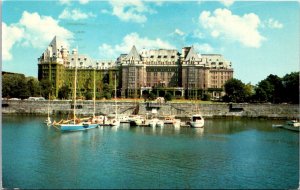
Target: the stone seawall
(280, 111)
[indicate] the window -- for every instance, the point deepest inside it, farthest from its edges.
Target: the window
(165, 56)
(159, 56)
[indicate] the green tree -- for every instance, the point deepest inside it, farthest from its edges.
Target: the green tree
(269, 90)
(168, 97)
(15, 85)
(88, 95)
(107, 91)
(152, 96)
(291, 87)
(46, 87)
(260, 95)
(64, 92)
(249, 91)
(33, 86)
(235, 91)
(276, 94)
(206, 97)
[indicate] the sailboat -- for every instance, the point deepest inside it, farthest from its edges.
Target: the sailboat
(101, 118)
(115, 121)
(48, 120)
(76, 124)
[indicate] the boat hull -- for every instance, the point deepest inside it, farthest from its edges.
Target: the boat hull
(289, 127)
(77, 127)
(197, 124)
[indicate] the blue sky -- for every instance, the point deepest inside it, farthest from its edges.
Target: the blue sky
(258, 37)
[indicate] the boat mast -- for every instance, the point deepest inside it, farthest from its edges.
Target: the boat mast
(75, 84)
(48, 106)
(94, 92)
(116, 95)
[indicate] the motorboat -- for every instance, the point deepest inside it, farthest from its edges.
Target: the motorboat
(135, 120)
(171, 120)
(160, 123)
(290, 125)
(197, 121)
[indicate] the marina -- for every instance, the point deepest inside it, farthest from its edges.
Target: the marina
(226, 153)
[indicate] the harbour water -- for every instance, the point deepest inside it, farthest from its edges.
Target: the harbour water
(225, 154)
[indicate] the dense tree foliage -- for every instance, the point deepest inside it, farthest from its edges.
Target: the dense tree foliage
(271, 89)
(64, 92)
(235, 91)
(290, 84)
(107, 91)
(88, 95)
(15, 86)
(168, 96)
(46, 87)
(33, 87)
(206, 97)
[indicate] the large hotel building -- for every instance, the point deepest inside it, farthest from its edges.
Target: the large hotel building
(184, 74)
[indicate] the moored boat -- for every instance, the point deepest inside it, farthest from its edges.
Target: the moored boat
(197, 121)
(76, 124)
(293, 125)
(171, 120)
(135, 120)
(77, 127)
(48, 121)
(151, 122)
(160, 123)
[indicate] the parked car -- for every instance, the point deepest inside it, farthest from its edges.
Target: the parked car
(36, 99)
(14, 99)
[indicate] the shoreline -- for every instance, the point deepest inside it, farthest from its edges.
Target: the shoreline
(179, 109)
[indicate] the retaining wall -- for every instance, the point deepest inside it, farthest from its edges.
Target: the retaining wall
(280, 111)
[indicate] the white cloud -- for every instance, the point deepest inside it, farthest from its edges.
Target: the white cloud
(203, 48)
(39, 30)
(75, 14)
(223, 24)
(83, 1)
(68, 2)
(271, 23)
(179, 32)
(65, 2)
(130, 10)
(32, 30)
(10, 36)
(108, 51)
(227, 3)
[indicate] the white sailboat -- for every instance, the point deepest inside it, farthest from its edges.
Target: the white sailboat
(76, 125)
(48, 120)
(101, 118)
(115, 121)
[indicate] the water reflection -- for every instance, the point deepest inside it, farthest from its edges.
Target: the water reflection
(223, 154)
(199, 131)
